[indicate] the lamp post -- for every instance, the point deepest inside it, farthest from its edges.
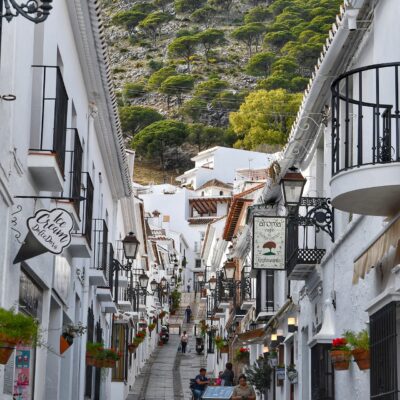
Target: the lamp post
(292, 185)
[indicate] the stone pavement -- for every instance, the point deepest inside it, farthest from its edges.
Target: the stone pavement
(167, 374)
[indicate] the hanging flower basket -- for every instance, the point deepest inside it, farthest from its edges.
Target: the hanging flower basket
(7, 347)
(362, 358)
(242, 355)
(132, 347)
(98, 356)
(151, 327)
(224, 349)
(340, 359)
(66, 341)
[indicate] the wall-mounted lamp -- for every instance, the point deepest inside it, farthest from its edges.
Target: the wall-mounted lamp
(292, 326)
(280, 335)
(274, 340)
(266, 350)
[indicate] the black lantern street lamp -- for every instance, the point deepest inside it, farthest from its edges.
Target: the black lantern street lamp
(131, 246)
(163, 283)
(143, 281)
(200, 277)
(292, 188)
(153, 285)
(229, 270)
(212, 283)
(173, 280)
(33, 10)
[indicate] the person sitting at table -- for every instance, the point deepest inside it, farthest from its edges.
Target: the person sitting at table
(243, 391)
(201, 384)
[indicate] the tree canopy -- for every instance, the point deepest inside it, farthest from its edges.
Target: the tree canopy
(210, 38)
(135, 118)
(158, 77)
(183, 6)
(260, 64)
(250, 34)
(184, 46)
(153, 23)
(204, 15)
(265, 117)
(176, 86)
(154, 140)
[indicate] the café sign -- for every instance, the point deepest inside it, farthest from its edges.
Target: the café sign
(269, 242)
(48, 231)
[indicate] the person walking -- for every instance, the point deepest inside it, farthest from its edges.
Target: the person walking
(243, 391)
(201, 384)
(188, 288)
(184, 341)
(228, 375)
(188, 313)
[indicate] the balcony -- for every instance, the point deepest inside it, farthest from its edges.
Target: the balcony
(304, 237)
(81, 241)
(46, 157)
(365, 140)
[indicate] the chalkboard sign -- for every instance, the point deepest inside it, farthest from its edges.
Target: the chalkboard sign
(218, 392)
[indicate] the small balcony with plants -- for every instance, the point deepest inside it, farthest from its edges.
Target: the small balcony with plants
(366, 140)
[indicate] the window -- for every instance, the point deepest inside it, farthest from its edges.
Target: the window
(269, 293)
(384, 341)
(221, 193)
(322, 376)
(198, 263)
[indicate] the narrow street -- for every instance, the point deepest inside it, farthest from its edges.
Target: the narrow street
(167, 374)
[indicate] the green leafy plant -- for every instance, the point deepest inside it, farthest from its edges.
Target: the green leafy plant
(357, 340)
(259, 375)
(18, 328)
(242, 354)
(176, 299)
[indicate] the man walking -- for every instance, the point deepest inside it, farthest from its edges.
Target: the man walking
(188, 313)
(184, 341)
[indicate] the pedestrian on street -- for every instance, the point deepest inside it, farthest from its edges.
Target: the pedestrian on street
(188, 288)
(228, 375)
(201, 384)
(243, 390)
(188, 313)
(184, 341)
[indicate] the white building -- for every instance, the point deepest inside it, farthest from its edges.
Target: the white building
(61, 148)
(221, 163)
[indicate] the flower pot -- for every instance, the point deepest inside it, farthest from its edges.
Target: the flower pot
(92, 361)
(65, 343)
(224, 349)
(361, 357)
(7, 346)
(340, 359)
(132, 348)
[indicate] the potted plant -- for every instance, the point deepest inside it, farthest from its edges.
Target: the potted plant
(359, 344)
(221, 344)
(151, 327)
(16, 329)
(98, 356)
(259, 375)
(340, 354)
(203, 327)
(291, 373)
(93, 350)
(242, 355)
(280, 372)
(70, 333)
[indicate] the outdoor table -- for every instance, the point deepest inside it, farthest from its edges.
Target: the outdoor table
(218, 393)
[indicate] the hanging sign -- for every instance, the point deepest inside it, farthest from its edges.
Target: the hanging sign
(269, 242)
(48, 231)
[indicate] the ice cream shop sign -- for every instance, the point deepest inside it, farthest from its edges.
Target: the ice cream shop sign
(48, 231)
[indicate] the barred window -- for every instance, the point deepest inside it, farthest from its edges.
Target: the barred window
(384, 342)
(322, 375)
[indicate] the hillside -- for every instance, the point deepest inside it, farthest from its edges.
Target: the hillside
(190, 74)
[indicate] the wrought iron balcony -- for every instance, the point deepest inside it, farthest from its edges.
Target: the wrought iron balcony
(366, 140)
(46, 158)
(303, 250)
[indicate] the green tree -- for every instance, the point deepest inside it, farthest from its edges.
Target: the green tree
(158, 77)
(276, 40)
(257, 14)
(250, 35)
(154, 140)
(208, 90)
(204, 136)
(135, 118)
(204, 15)
(193, 109)
(210, 38)
(259, 375)
(265, 117)
(133, 90)
(153, 23)
(162, 4)
(176, 86)
(223, 5)
(183, 6)
(185, 47)
(226, 101)
(260, 64)
(129, 19)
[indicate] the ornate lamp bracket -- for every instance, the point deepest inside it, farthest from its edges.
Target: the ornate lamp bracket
(34, 10)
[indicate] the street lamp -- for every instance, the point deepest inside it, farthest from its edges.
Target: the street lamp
(213, 283)
(143, 281)
(131, 246)
(229, 270)
(292, 185)
(33, 10)
(173, 280)
(200, 277)
(153, 285)
(292, 327)
(163, 282)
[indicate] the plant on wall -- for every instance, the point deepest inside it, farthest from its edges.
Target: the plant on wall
(359, 345)
(340, 354)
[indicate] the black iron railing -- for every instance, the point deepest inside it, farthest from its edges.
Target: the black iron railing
(384, 333)
(303, 241)
(58, 112)
(101, 246)
(366, 117)
(76, 172)
(87, 228)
